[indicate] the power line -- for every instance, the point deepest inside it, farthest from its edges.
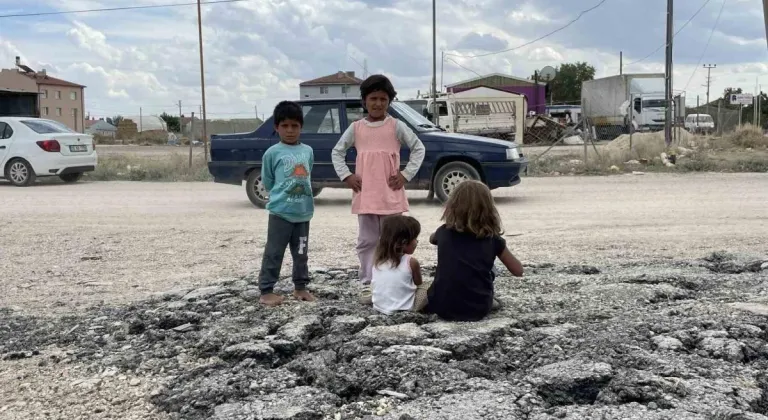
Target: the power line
(673, 36)
(722, 7)
(465, 68)
(115, 9)
(537, 39)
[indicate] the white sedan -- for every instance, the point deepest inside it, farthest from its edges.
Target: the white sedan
(36, 147)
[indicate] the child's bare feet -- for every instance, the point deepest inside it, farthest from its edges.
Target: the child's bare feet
(271, 299)
(303, 295)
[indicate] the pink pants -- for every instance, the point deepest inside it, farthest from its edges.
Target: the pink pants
(369, 228)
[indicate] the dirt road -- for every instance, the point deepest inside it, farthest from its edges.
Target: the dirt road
(68, 246)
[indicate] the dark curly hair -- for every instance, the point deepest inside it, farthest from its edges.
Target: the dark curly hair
(377, 83)
(288, 110)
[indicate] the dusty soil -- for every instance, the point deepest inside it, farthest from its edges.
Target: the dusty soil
(69, 246)
(625, 312)
(145, 151)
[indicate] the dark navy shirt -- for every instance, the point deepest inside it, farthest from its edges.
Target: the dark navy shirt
(463, 285)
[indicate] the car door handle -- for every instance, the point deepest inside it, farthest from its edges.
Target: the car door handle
(2, 147)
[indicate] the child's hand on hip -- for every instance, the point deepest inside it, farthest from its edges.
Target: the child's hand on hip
(355, 182)
(397, 182)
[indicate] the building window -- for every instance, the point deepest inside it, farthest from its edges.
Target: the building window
(324, 90)
(58, 94)
(72, 112)
(73, 96)
(58, 112)
(345, 90)
(45, 111)
(44, 93)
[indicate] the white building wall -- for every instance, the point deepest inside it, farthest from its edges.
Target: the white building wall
(330, 91)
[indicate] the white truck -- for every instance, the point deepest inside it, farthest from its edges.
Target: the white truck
(480, 111)
(605, 103)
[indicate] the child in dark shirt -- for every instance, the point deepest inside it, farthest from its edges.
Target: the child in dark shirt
(467, 246)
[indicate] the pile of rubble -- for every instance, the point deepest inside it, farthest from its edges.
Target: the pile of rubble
(656, 340)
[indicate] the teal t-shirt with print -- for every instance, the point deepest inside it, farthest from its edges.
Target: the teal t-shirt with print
(285, 171)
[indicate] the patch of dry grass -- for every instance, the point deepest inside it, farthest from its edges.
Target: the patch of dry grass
(171, 168)
(745, 150)
(747, 136)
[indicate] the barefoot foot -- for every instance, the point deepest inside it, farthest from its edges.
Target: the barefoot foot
(271, 299)
(303, 295)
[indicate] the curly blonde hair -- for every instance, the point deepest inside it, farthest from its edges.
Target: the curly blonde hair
(470, 209)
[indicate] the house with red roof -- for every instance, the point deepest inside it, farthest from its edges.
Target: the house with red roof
(343, 84)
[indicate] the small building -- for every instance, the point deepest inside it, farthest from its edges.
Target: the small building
(343, 84)
(101, 128)
(535, 93)
(56, 99)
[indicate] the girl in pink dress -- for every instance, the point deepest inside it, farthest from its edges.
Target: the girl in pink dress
(378, 183)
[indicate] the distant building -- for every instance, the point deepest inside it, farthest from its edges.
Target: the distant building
(338, 85)
(534, 93)
(54, 98)
(100, 127)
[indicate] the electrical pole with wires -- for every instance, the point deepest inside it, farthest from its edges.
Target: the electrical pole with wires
(181, 122)
(709, 68)
(202, 78)
(668, 74)
(435, 114)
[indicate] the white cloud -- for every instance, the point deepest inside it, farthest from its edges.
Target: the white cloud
(257, 52)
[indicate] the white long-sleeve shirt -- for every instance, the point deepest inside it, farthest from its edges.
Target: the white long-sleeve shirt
(404, 134)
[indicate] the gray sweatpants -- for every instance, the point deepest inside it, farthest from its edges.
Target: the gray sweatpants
(281, 234)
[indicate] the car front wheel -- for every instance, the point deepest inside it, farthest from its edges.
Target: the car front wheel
(450, 176)
(70, 178)
(255, 190)
(20, 173)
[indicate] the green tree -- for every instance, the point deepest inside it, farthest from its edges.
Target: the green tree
(173, 122)
(115, 120)
(566, 88)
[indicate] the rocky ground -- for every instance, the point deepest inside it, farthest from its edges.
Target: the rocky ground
(661, 339)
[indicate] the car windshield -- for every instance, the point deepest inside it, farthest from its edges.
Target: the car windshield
(413, 117)
(46, 126)
(705, 118)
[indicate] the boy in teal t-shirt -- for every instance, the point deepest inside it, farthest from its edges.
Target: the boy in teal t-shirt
(285, 172)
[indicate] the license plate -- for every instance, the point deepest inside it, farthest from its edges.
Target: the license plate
(78, 148)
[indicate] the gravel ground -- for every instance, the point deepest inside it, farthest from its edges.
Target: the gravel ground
(625, 312)
(69, 246)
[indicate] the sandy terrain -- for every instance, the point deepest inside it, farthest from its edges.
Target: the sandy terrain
(68, 246)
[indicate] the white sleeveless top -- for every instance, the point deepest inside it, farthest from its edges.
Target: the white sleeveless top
(392, 287)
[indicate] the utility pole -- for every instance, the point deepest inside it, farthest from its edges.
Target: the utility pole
(709, 68)
(442, 69)
(668, 74)
(256, 111)
(202, 78)
(697, 111)
(435, 114)
(181, 123)
(621, 62)
(141, 117)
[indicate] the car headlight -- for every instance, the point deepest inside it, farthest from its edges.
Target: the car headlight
(513, 154)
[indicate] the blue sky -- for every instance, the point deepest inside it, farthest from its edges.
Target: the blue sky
(257, 51)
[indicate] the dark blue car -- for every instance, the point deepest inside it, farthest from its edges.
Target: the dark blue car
(450, 158)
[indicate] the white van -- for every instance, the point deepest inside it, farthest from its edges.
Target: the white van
(700, 123)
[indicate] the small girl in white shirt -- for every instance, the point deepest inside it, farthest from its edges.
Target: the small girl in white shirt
(396, 277)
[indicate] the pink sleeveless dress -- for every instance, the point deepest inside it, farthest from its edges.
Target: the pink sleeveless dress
(378, 158)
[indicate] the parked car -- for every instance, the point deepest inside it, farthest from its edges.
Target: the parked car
(34, 147)
(700, 123)
(450, 158)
